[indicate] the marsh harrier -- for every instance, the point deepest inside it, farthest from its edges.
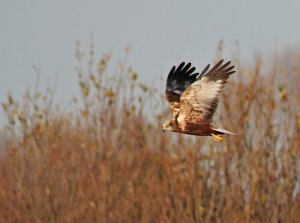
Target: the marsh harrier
(194, 98)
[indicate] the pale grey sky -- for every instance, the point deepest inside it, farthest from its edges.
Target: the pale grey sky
(161, 33)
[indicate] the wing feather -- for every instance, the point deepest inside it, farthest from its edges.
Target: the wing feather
(200, 100)
(178, 80)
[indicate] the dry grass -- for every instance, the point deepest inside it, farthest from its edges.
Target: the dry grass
(107, 160)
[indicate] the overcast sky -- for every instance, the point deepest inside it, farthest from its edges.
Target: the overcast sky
(160, 33)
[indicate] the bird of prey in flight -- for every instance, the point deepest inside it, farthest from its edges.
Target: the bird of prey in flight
(194, 98)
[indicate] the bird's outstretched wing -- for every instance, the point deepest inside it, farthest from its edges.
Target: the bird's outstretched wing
(199, 101)
(179, 79)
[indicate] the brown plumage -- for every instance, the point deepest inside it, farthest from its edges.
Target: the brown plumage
(194, 98)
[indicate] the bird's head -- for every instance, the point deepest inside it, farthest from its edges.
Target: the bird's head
(169, 126)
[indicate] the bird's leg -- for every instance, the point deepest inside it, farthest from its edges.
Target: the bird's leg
(217, 137)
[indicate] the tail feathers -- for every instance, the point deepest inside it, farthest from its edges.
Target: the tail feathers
(222, 131)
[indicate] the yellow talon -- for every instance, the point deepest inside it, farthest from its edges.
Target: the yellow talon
(216, 137)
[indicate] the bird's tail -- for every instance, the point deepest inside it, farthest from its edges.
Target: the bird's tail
(222, 131)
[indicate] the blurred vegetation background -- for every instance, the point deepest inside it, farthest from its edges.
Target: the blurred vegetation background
(103, 157)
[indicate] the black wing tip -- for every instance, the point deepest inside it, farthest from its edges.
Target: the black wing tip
(178, 79)
(204, 71)
(221, 65)
(220, 61)
(225, 66)
(171, 73)
(219, 68)
(185, 68)
(180, 66)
